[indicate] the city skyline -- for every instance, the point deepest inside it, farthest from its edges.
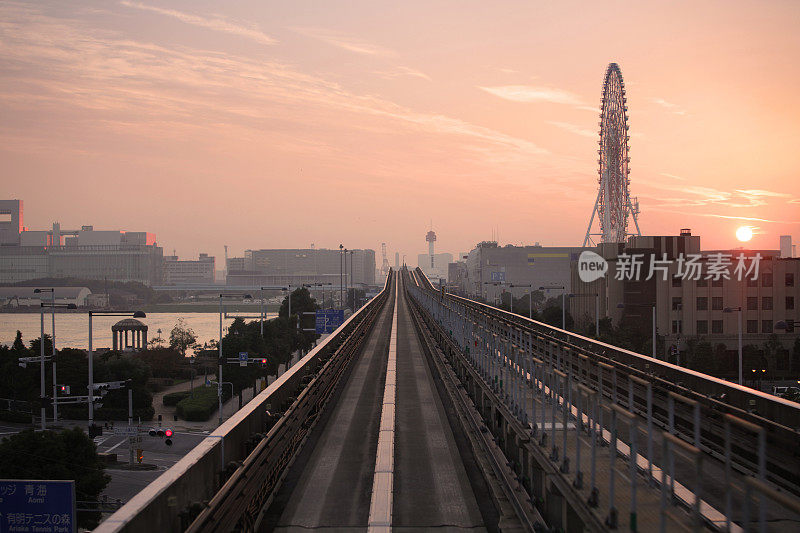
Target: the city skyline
(279, 126)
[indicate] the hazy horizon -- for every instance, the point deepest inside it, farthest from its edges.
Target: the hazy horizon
(279, 125)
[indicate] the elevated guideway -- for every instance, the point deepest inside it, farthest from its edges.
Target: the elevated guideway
(430, 411)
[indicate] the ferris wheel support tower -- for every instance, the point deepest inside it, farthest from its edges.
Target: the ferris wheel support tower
(614, 203)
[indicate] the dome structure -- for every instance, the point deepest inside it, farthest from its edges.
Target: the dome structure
(138, 335)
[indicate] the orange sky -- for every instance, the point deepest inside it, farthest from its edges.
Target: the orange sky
(281, 124)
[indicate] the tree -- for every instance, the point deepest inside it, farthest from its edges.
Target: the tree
(69, 454)
(18, 347)
(552, 315)
(48, 345)
(182, 337)
(165, 363)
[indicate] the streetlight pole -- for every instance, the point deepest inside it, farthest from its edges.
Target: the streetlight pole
(53, 346)
(52, 306)
(596, 310)
(596, 314)
(341, 284)
(41, 372)
(219, 377)
(351, 281)
(563, 304)
(739, 310)
(654, 332)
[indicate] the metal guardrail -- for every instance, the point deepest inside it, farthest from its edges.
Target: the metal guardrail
(780, 418)
(694, 420)
(168, 503)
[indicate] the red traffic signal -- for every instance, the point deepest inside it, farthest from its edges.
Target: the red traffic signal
(168, 433)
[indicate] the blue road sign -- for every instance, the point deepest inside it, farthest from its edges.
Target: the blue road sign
(498, 276)
(328, 320)
(36, 505)
(243, 356)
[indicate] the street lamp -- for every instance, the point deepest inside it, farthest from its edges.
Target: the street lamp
(52, 305)
(738, 310)
(219, 380)
(624, 305)
(530, 297)
(596, 309)
(90, 399)
(353, 287)
(341, 271)
(318, 284)
(501, 284)
(563, 304)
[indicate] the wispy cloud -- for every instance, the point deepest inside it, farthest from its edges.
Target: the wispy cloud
(211, 23)
(400, 72)
(573, 128)
(726, 217)
(673, 176)
(673, 108)
(147, 89)
(343, 41)
(761, 192)
(529, 94)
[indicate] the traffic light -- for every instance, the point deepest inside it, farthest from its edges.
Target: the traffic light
(264, 361)
(63, 389)
(168, 435)
(139, 455)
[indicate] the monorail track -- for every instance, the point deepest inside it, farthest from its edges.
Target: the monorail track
(315, 467)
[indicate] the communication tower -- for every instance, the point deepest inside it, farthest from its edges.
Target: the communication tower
(431, 238)
(385, 264)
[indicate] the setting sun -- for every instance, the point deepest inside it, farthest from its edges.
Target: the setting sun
(744, 233)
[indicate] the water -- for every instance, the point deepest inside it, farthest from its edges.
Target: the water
(72, 329)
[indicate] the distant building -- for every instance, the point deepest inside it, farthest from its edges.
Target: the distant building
(26, 297)
(456, 276)
(491, 269)
(189, 272)
(298, 266)
(234, 264)
(84, 253)
(439, 268)
(688, 308)
(10, 222)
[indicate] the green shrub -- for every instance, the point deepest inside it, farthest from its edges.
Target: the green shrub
(173, 398)
(202, 406)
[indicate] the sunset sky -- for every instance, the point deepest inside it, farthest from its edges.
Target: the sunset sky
(281, 124)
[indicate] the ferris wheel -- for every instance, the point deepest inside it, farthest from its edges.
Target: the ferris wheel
(614, 203)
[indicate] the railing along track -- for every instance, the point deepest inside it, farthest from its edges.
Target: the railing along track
(238, 505)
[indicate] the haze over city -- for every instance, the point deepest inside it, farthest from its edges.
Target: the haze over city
(284, 124)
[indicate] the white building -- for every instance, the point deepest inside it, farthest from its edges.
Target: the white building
(189, 272)
(26, 297)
